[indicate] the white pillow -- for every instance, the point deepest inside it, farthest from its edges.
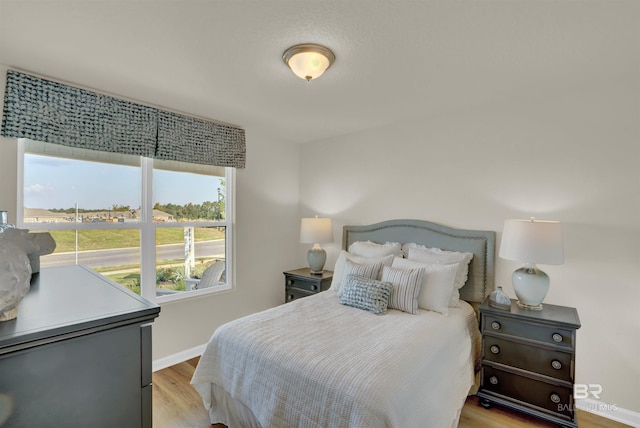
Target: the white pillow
(437, 283)
(424, 254)
(406, 286)
(373, 249)
(338, 270)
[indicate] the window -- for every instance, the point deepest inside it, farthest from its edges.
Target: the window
(160, 228)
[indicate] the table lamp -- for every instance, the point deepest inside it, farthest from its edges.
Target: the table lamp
(532, 241)
(316, 231)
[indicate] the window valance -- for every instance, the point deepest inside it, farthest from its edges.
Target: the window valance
(52, 112)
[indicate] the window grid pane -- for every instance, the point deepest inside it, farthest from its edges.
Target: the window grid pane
(121, 242)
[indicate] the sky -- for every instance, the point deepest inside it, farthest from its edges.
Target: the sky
(51, 182)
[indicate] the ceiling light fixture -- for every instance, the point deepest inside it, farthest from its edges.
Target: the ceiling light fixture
(308, 61)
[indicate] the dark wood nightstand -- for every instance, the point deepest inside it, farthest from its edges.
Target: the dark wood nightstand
(302, 283)
(528, 360)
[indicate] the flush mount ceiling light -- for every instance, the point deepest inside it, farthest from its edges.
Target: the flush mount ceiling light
(308, 61)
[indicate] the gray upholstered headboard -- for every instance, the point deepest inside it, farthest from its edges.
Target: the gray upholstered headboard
(481, 243)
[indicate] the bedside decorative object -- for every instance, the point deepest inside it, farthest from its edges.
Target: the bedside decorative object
(528, 360)
(301, 283)
(316, 231)
(498, 299)
(532, 241)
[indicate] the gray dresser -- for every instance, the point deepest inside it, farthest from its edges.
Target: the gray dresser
(528, 360)
(77, 355)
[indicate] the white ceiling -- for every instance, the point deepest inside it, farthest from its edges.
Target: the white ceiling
(395, 60)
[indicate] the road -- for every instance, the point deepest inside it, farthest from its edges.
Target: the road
(127, 256)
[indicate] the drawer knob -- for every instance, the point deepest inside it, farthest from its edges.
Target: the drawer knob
(556, 364)
(290, 282)
(495, 325)
(555, 398)
(314, 287)
(557, 337)
(495, 349)
(493, 380)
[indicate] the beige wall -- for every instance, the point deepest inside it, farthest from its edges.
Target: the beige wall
(570, 156)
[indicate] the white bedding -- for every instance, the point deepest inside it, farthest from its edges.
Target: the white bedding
(316, 363)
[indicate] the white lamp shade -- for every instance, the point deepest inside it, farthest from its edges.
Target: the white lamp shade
(316, 230)
(532, 241)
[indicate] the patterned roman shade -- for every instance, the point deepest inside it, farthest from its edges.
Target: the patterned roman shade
(52, 112)
(182, 137)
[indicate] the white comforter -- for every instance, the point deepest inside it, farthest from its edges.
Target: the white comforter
(316, 363)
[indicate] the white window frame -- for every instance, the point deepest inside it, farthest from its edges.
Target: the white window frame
(147, 229)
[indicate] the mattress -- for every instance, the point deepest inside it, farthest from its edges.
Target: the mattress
(316, 363)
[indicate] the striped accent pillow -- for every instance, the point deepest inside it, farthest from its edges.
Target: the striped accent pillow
(406, 287)
(365, 293)
(371, 271)
(437, 283)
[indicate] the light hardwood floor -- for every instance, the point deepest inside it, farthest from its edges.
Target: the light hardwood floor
(177, 405)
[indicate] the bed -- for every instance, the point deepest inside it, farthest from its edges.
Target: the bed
(315, 362)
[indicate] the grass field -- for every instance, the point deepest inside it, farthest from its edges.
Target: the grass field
(169, 273)
(109, 239)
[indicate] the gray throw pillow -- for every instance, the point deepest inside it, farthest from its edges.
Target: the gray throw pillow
(364, 293)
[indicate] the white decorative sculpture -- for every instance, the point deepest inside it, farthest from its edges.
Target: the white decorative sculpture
(20, 253)
(33, 245)
(15, 277)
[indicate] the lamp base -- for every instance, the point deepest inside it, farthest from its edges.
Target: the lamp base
(529, 307)
(316, 257)
(530, 285)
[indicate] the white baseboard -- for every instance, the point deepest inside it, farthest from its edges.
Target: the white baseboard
(609, 411)
(187, 354)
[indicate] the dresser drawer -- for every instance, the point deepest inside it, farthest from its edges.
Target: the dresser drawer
(303, 284)
(546, 334)
(548, 362)
(551, 398)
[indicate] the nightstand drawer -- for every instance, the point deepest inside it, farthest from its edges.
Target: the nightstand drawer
(295, 293)
(551, 335)
(556, 364)
(303, 284)
(552, 398)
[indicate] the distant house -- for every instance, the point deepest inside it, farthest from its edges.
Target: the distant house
(39, 215)
(161, 216)
(157, 215)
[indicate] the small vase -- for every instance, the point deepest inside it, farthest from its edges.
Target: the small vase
(498, 299)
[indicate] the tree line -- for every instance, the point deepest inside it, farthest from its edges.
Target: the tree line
(208, 210)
